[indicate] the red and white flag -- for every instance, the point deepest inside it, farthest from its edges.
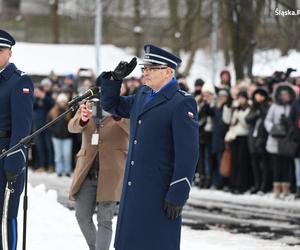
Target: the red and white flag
(26, 91)
(191, 115)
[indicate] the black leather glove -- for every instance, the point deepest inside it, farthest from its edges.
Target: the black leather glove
(11, 179)
(123, 69)
(172, 211)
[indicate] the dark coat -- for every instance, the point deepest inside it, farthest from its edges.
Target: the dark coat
(16, 103)
(60, 128)
(162, 157)
(258, 134)
(205, 112)
(41, 108)
(220, 129)
(294, 122)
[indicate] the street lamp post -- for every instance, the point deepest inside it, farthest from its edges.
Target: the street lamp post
(214, 39)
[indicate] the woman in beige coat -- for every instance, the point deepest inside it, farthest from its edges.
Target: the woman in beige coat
(98, 176)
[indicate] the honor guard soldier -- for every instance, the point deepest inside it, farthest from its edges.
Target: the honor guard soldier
(162, 155)
(16, 104)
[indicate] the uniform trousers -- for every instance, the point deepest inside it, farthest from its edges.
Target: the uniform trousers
(13, 201)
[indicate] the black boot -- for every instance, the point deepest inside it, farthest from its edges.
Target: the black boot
(254, 190)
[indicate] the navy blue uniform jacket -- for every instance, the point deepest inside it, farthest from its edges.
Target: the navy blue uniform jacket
(162, 156)
(16, 105)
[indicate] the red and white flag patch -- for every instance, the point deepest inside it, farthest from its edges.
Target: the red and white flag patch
(26, 91)
(191, 115)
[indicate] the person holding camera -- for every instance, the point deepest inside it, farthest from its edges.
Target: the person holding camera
(240, 176)
(162, 155)
(61, 138)
(205, 116)
(43, 150)
(99, 171)
(257, 139)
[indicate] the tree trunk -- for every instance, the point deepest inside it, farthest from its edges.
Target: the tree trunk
(138, 31)
(11, 7)
(243, 18)
(174, 26)
(189, 63)
(54, 21)
(288, 27)
(225, 40)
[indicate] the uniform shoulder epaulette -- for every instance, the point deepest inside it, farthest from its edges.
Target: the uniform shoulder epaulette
(20, 72)
(184, 92)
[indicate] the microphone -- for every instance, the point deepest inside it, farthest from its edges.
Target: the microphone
(90, 92)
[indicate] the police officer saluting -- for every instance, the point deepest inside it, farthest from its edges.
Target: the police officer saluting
(16, 103)
(162, 155)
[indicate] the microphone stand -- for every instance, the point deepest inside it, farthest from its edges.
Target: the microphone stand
(26, 142)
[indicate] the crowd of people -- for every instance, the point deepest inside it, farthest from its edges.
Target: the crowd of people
(249, 135)
(238, 149)
(237, 137)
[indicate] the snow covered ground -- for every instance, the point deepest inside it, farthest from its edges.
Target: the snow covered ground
(52, 226)
(40, 59)
(263, 201)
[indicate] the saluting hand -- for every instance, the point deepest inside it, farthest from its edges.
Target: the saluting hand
(120, 72)
(85, 113)
(124, 69)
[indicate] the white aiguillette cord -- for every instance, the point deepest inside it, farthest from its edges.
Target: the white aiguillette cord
(5, 217)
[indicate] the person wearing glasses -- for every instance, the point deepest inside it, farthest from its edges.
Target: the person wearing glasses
(162, 155)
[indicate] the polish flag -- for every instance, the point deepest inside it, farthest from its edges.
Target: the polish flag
(191, 115)
(26, 91)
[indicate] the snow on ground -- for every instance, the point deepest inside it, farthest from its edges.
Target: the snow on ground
(266, 200)
(52, 226)
(40, 59)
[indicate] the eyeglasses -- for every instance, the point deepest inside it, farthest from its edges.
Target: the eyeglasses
(151, 69)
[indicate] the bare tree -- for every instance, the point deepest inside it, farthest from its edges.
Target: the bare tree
(242, 18)
(287, 27)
